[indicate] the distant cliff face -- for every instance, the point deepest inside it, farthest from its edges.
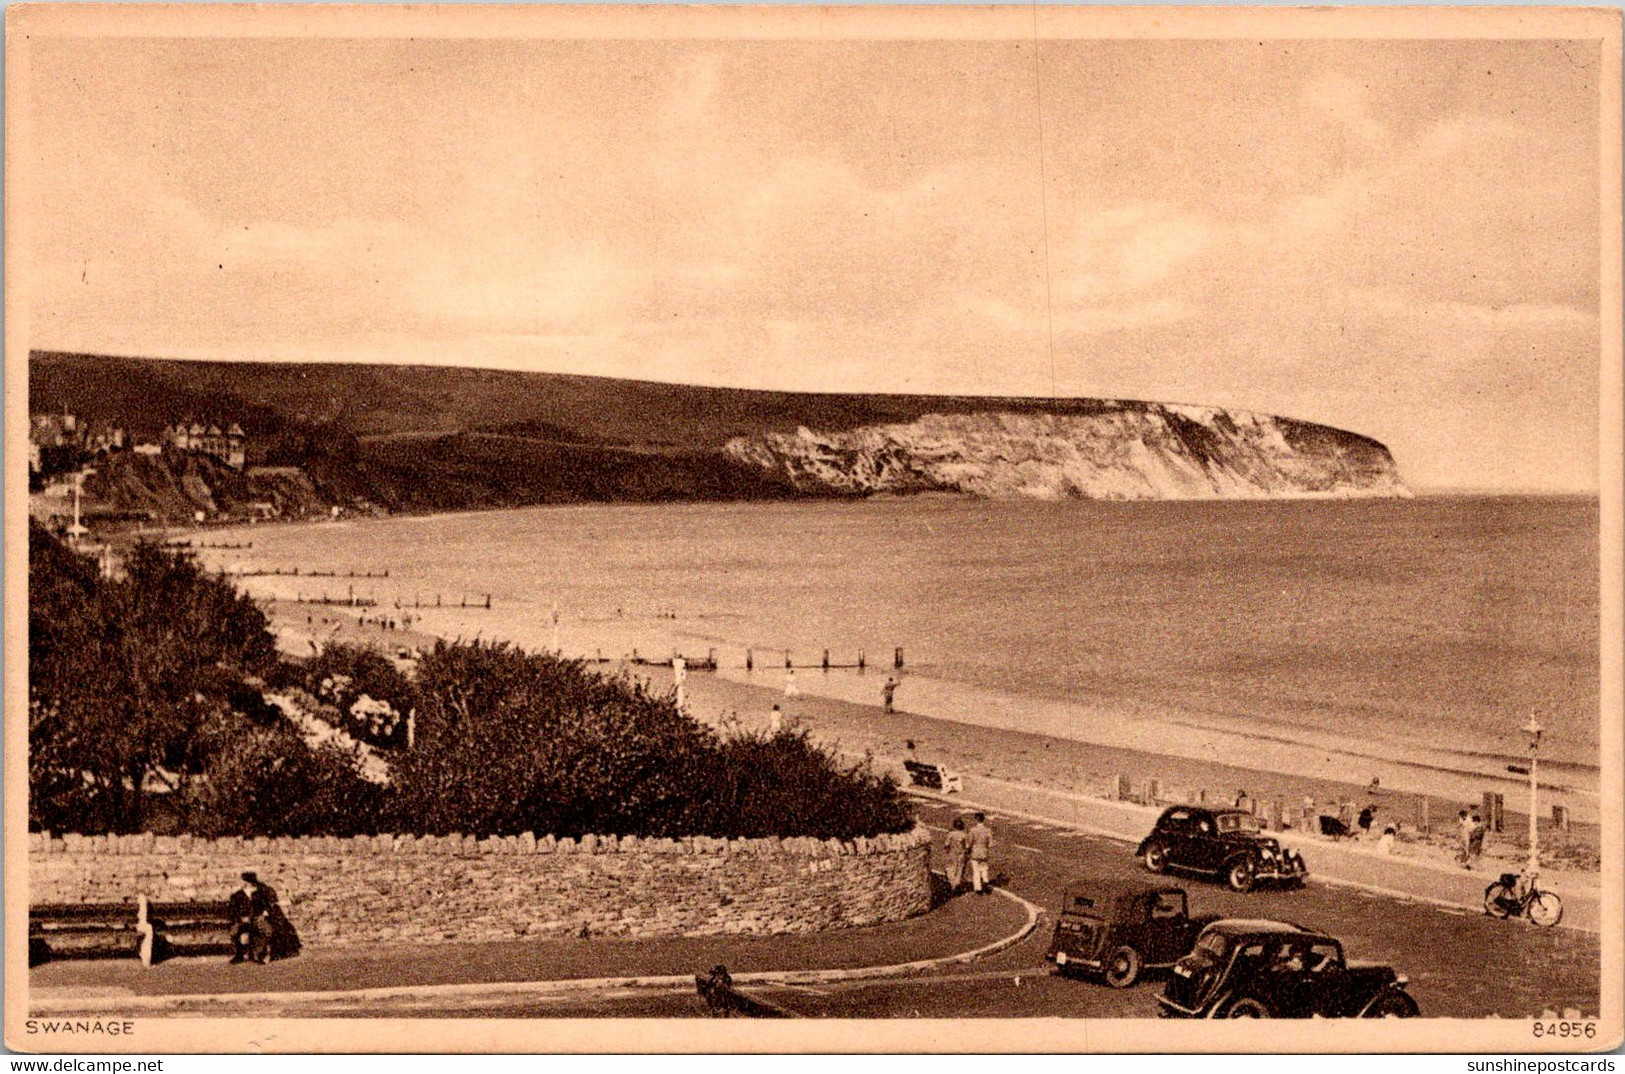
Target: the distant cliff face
(430, 438)
(1125, 451)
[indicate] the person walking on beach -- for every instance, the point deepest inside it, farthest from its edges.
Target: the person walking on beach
(1475, 840)
(887, 693)
(1367, 815)
(1464, 829)
(790, 688)
(775, 720)
(956, 855)
(981, 848)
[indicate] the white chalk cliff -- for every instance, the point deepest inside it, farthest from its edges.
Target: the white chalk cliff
(1105, 450)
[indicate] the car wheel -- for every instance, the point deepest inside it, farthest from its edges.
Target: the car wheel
(1546, 909)
(1156, 857)
(1247, 1007)
(1392, 1005)
(1123, 968)
(1492, 899)
(1240, 875)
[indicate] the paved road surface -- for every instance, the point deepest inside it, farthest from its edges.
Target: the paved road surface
(1460, 964)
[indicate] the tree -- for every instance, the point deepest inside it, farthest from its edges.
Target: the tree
(123, 675)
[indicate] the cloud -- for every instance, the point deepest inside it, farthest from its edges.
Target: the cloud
(1457, 315)
(1120, 249)
(1339, 230)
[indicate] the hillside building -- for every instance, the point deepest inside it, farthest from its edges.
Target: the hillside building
(225, 445)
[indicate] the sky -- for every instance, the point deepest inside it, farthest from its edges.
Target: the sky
(1396, 237)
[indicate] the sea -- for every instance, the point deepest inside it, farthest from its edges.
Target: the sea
(1400, 640)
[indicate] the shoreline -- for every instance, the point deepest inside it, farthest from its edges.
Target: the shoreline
(1108, 723)
(1169, 720)
(856, 728)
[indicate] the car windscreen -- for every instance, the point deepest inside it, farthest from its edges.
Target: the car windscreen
(1213, 945)
(1238, 822)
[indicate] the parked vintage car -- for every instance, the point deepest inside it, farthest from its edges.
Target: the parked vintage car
(1226, 843)
(1115, 932)
(1274, 969)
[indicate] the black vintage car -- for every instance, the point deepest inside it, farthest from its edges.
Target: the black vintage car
(1273, 969)
(1115, 932)
(1226, 843)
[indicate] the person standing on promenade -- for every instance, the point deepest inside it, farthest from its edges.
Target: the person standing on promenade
(887, 693)
(981, 848)
(956, 855)
(1475, 840)
(1367, 815)
(790, 687)
(775, 720)
(1464, 831)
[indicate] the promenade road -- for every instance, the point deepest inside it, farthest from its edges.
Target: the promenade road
(1345, 862)
(1461, 964)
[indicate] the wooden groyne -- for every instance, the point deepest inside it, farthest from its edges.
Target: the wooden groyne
(707, 662)
(350, 601)
(295, 572)
(710, 662)
(859, 663)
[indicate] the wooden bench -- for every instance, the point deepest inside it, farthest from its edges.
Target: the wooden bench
(933, 776)
(142, 929)
(83, 930)
(191, 928)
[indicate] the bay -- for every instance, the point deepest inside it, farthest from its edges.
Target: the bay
(1421, 632)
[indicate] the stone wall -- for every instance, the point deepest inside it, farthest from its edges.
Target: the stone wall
(459, 888)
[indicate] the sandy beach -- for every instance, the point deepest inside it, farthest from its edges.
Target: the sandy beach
(1042, 760)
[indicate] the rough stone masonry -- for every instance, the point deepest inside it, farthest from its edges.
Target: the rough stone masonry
(461, 888)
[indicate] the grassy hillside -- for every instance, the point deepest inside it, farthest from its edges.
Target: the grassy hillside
(372, 400)
(429, 438)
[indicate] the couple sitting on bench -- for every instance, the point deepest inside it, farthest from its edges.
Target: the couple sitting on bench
(260, 931)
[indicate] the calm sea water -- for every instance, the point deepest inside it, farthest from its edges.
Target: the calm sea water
(1431, 624)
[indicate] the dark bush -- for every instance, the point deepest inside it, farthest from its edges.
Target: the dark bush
(787, 784)
(509, 742)
(264, 781)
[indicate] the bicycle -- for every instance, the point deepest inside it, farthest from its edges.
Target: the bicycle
(1501, 899)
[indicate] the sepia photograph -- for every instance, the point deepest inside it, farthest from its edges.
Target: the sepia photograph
(857, 529)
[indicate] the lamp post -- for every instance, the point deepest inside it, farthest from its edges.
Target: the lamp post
(1533, 729)
(78, 530)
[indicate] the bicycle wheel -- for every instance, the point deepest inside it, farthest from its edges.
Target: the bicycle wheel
(1492, 899)
(1545, 909)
